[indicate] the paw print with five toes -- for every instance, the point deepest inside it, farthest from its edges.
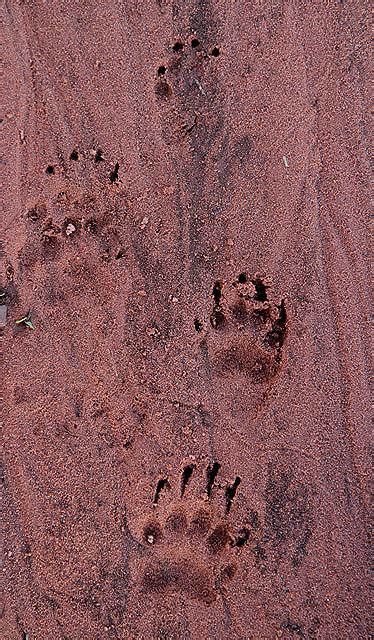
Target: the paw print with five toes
(190, 544)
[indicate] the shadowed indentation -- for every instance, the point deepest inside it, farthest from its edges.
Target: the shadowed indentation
(99, 155)
(186, 476)
(217, 318)
(256, 364)
(176, 522)
(114, 174)
(228, 571)
(217, 292)
(294, 627)
(152, 532)
(260, 287)
(276, 336)
(38, 212)
(212, 472)
(200, 523)
(218, 539)
(198, 325)
(161, 484)
(242, 538)
(177, 47)
(163, 89)
(230, 493)
(178, 575)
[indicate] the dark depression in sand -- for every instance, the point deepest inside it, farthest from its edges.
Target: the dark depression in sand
(186, 397)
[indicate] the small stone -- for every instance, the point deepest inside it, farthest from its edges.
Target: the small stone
(70, 229)
(3, 310)
(144, 222)
(152, 331)
(150, 539)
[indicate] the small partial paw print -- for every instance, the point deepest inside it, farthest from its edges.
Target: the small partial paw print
(191, 544)
(249, 329)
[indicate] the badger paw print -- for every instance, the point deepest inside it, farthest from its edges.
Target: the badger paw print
(190, 544)
(249, 329)
(245, 342)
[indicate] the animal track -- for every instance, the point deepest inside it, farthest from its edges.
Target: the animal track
(193, 548)
(72, 215)
(98, 157)
(249, 329)
(183, 72)
(75, 211)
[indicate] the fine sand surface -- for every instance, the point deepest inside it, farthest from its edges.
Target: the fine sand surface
(187, 425)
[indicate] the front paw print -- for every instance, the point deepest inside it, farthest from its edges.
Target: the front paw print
(192, 547)
(245, 342)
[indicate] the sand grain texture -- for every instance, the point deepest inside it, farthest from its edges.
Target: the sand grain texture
(186, 428)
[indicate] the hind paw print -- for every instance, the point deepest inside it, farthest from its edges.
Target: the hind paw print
(191, 544)
(244, 343)
(249, 329)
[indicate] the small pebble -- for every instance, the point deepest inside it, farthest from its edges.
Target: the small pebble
(3, 310)
(70, 229)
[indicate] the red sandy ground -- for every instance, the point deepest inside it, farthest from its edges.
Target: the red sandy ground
(186, 428)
